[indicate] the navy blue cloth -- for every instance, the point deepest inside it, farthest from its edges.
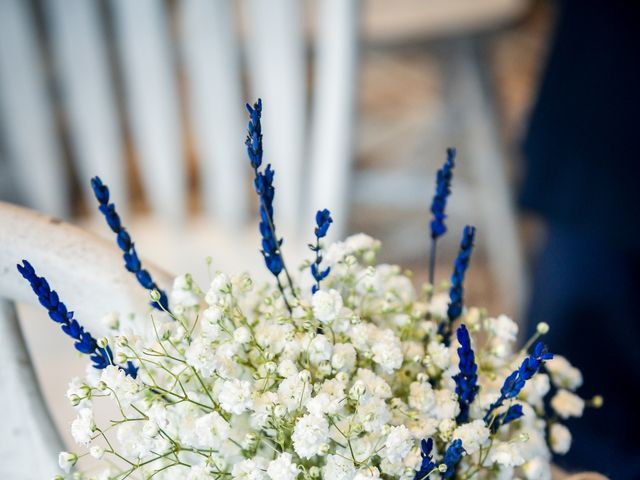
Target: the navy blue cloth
(582, 147)
(582, 177)
(589, 293)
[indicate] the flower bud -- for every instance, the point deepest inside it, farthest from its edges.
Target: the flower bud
(75, 400)
(314, 472)
(597, 401)
(442, 467)
(154, 295)
(323, 449)
(542, 328)
(121, 357)
(96, 451)
(66, 460)
(101, 385)
(305, 376)
(103, 342)
(270, 367)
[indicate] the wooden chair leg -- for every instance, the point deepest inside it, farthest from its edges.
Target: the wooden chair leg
(471, 113)
(30, 441)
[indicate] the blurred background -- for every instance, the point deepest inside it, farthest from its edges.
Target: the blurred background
(361, 100)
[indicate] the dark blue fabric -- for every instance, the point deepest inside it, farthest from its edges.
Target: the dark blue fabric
(582, 174)
(588, 291)
(582, 151)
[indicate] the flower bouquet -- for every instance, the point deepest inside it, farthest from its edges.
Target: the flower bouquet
(360, 376)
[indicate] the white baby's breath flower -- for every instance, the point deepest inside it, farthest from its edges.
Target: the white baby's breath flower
(183, 292)
(294, 393)
(320, 349)
(344, 357)
(83, 426)
(241, 335)
(338, 468)
(503, 328)
(119, 383)
(202, 356)
(439, 355)
(536, 388)
(235, 396)
(282, 468)
(326, 305)
(250, 469)
(67, 460)
(567, 404)
(387, 351)
(446, 404)
(506, 454)
(212, 430)
(398, 444)
(199, 472)
(559, 438)
(367, 473)
(421, 396)
(309, 434)
(473, 435)
(96, 451)
(537, 469)
(563, 374)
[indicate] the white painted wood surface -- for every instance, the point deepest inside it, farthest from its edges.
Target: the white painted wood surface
(211, 60)
(30, 443)
(32, 144)
(147, 65)
(86, 271)
(85, 81)
(276, 57)
(333, 111)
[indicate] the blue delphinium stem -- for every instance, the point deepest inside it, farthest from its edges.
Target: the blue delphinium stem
(263, 183)
(452, 457)
(467, 379)
(427, 466)
(514, 412)
(84, 342)
(515, 382)
(323, 221)
(131, 261)
(438, 206)
(456, 292)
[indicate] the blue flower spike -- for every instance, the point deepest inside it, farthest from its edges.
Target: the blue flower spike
(515, 382)
(438, 207)
(467, 379)
(456, 292)
(263, 184)
(427, 465)
(323, 221)
(84, 342)
(131, 260)
(452, 457)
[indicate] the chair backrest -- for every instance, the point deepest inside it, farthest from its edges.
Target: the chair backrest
(88, 273)
(181, 71)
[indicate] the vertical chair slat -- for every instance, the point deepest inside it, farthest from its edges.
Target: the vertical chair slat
(333, 110)
(152, 102)
(30, 441)
(83, 68)
(211, 61)
(275, 53)
(27, 119)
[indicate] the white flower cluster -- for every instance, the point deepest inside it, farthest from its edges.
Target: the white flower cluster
(233, 385)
